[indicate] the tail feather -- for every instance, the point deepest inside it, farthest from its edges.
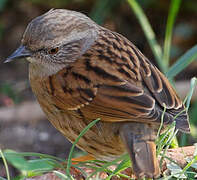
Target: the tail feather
(139, 139)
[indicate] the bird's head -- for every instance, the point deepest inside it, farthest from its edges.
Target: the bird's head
(56, 38)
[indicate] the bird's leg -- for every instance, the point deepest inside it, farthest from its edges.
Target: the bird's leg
(139, 139)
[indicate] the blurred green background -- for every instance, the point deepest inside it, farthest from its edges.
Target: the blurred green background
(20, 128)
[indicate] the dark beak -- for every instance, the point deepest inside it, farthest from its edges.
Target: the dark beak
(19, 53)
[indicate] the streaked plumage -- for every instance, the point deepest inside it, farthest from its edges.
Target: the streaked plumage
(97, 73)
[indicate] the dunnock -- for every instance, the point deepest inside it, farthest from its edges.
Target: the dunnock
(80, 71)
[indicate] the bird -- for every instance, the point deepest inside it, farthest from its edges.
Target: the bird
(80, 71)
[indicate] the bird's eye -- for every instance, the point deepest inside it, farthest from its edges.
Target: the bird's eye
(53, 50)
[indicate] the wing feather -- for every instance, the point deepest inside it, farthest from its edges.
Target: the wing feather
(118, 83)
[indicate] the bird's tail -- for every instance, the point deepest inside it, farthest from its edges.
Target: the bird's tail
(139, 139)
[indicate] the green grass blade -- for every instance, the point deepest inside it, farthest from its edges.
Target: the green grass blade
(182, 62)
(3, 4)
(194, 160)
(28, 166)
(104, 167)
(168, 143)
(174, 8)
(189, 96)
(5, 164)
(161, 124)
(8, 152)
(176, 171)
(69, 162)
(164, 138)
(61, 175)
(149, 33)
(1, 178)
(101, 9)
(193, 114)
(125, 163)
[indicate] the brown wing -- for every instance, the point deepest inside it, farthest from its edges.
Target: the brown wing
(163, 92)
(115, 82)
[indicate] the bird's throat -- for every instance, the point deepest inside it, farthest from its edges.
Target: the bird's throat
(44, 70)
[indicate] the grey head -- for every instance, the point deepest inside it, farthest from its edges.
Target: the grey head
(57, 37)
